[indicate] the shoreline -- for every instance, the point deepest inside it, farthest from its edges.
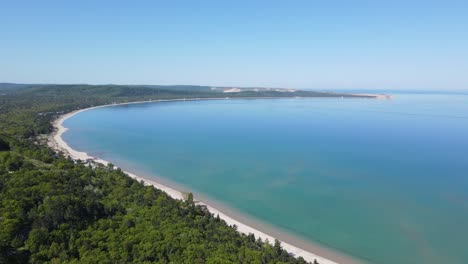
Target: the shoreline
(308, 250)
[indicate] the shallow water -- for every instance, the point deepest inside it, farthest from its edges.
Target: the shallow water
(366, 177)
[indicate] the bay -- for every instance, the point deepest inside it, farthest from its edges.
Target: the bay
(383, 180)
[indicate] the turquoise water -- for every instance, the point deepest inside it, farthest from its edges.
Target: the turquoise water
(366, 177)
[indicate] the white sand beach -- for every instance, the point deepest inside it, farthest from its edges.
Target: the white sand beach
(323, 256)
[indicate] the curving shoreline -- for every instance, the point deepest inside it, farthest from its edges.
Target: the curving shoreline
(307, 250)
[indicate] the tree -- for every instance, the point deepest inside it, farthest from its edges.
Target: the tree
(4, 146)
(190, 198)
(277, 247)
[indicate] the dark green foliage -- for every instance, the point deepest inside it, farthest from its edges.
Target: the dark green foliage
(4, 146)
(69, 212)
(55, 210)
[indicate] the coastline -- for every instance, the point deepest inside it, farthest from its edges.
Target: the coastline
(376, 96)
(245, 225)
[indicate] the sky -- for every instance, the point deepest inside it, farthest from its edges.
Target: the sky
(297, 44)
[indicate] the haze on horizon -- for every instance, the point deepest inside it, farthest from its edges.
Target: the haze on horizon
(297, 44)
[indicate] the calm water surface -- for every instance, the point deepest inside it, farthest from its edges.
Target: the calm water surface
(367, 177)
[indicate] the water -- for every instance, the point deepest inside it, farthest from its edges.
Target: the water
(384, 180)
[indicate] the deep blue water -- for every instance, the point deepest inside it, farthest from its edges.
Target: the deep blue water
(367, 177)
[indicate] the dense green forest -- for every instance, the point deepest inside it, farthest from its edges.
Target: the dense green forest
(56, 210)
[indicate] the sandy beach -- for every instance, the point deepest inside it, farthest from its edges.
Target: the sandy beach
(295, 246)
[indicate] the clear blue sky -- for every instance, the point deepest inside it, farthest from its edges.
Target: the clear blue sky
(301, 44)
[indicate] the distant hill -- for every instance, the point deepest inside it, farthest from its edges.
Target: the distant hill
(177, 87)
(117, 90)
(11, 87)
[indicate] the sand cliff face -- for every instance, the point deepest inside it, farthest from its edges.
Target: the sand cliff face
(254, 89)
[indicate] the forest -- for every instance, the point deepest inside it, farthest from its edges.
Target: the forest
(56, 210)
